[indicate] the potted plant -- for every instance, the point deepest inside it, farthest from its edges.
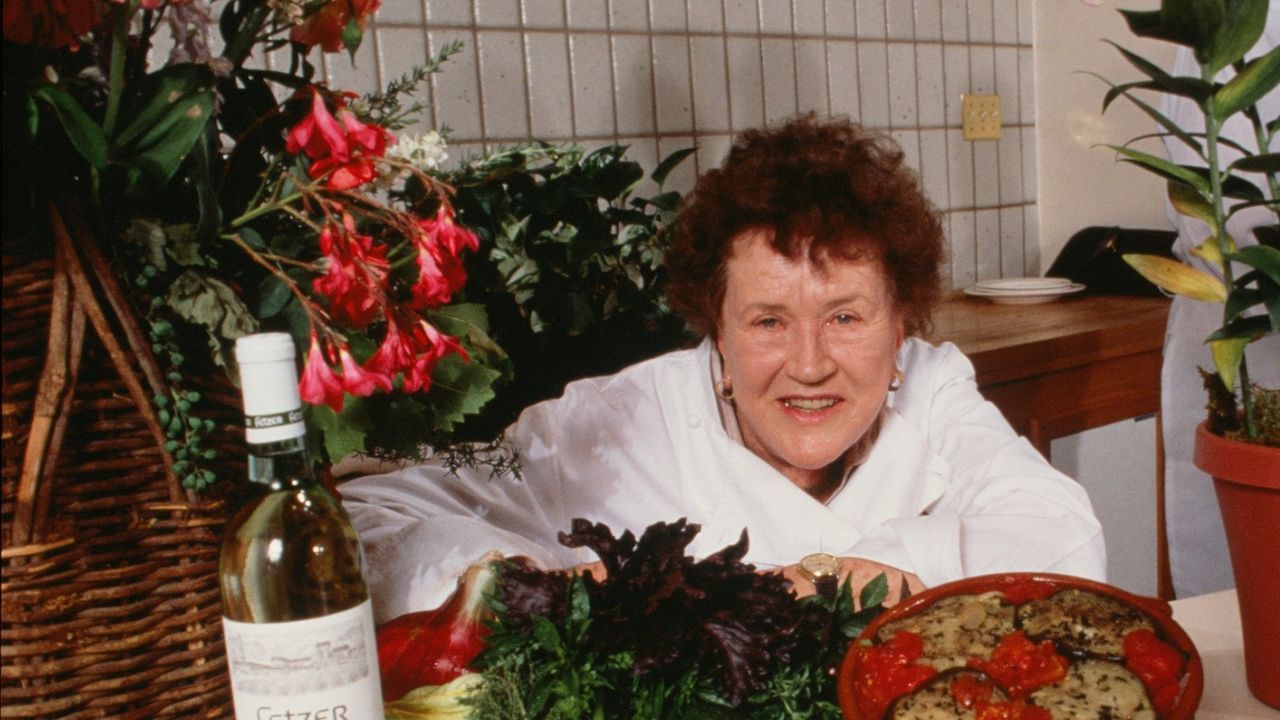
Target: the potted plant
(1239, 444)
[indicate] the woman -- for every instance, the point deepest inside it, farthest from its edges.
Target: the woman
(809, 415)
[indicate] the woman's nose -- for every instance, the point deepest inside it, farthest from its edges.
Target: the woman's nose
(811, 360)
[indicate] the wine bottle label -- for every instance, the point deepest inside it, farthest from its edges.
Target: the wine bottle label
(324, 668)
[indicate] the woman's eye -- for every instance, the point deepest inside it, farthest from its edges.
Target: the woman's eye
(845, 319)
(768, 323)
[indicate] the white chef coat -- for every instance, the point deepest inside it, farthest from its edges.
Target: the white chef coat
(948, 490)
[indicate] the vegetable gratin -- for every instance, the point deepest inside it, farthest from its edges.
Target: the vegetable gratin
(1023, 647)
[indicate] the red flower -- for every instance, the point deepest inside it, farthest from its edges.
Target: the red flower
(49, 23)
(438, 278)
(344, 175)
(357, 380)
(319, 134)
(318, 385)
(355, 275)
(371, 138)
(324, 26)
(440, 270)
(452, 236)
(432, 345)
(343, 148)
(394, 354)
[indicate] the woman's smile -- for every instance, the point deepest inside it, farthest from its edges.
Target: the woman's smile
(808, 350)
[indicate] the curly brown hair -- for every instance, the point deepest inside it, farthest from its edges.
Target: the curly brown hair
(826, 188)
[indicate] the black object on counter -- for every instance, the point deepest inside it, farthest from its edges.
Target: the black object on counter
(1093, 257)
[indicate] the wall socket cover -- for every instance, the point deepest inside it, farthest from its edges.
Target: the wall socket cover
(981, 117)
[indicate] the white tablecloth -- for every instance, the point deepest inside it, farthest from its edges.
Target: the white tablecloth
(1213, 622)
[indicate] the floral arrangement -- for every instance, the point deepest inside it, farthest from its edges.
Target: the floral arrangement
(231, 196)
(1245, 280)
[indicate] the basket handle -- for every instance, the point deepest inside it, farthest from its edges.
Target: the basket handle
(137, 347)
(52, 406)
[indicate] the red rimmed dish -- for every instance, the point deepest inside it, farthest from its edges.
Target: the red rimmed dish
(1016, 589)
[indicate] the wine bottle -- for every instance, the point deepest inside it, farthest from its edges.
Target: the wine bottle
(296, 613)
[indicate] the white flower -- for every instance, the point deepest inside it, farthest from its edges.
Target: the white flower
(425, 152)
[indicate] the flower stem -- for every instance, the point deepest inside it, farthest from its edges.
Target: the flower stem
(1226, 245)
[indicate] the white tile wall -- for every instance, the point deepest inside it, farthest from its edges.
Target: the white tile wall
(662, 75)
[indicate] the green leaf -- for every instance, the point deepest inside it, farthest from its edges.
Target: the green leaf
(1227, 355)
(1262, 257)
(85, 135)
(545, 632)
(874, 592)
(1259, 77)
(1188, 202)
(1175, 277)
(1160, 118)
(1185, 22)
(669, 163)
(253, 238)
(1190, 87)
(343, 433)
(166, 117)
(1241, 27)
(1163, 167)
(459, 389)
(1264, 163)
(272, 297)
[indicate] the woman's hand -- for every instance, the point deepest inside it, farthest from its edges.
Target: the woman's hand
(859, 572)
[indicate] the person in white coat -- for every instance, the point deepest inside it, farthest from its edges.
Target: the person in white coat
(809, 415)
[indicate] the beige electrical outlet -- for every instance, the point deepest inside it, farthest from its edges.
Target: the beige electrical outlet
(981, 117)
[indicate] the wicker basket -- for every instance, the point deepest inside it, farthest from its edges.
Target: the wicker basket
(109, 589)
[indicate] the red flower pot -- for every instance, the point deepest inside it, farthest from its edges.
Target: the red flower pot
(1246, 478)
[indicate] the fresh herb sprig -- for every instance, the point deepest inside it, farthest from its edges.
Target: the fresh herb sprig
(664, 636)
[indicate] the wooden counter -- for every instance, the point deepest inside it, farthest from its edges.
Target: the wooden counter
(1058, 368)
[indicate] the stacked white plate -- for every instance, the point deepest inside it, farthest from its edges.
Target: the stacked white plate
(1024, 290)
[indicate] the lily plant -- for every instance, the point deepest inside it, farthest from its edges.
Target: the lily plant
(1245, 278)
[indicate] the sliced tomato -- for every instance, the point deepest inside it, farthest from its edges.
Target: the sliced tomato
(890, 670)
(1021, 666)
(1158, 664)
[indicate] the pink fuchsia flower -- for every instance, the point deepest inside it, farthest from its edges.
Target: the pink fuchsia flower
(355, 274)
(343, 149)
(359, 381)
(318, 385)
(372, 139)
(344, 175)
(440, 243)
(451, 235)
(439, 277)
(431, 345)
(319, 135)
(324, 27)
(394, 354)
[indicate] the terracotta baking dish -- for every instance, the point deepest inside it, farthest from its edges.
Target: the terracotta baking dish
(1170, 631)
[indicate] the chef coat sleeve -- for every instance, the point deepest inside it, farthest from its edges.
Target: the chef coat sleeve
(423, 525)
(1005, 508)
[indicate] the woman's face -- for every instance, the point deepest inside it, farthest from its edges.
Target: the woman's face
(809, 352)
